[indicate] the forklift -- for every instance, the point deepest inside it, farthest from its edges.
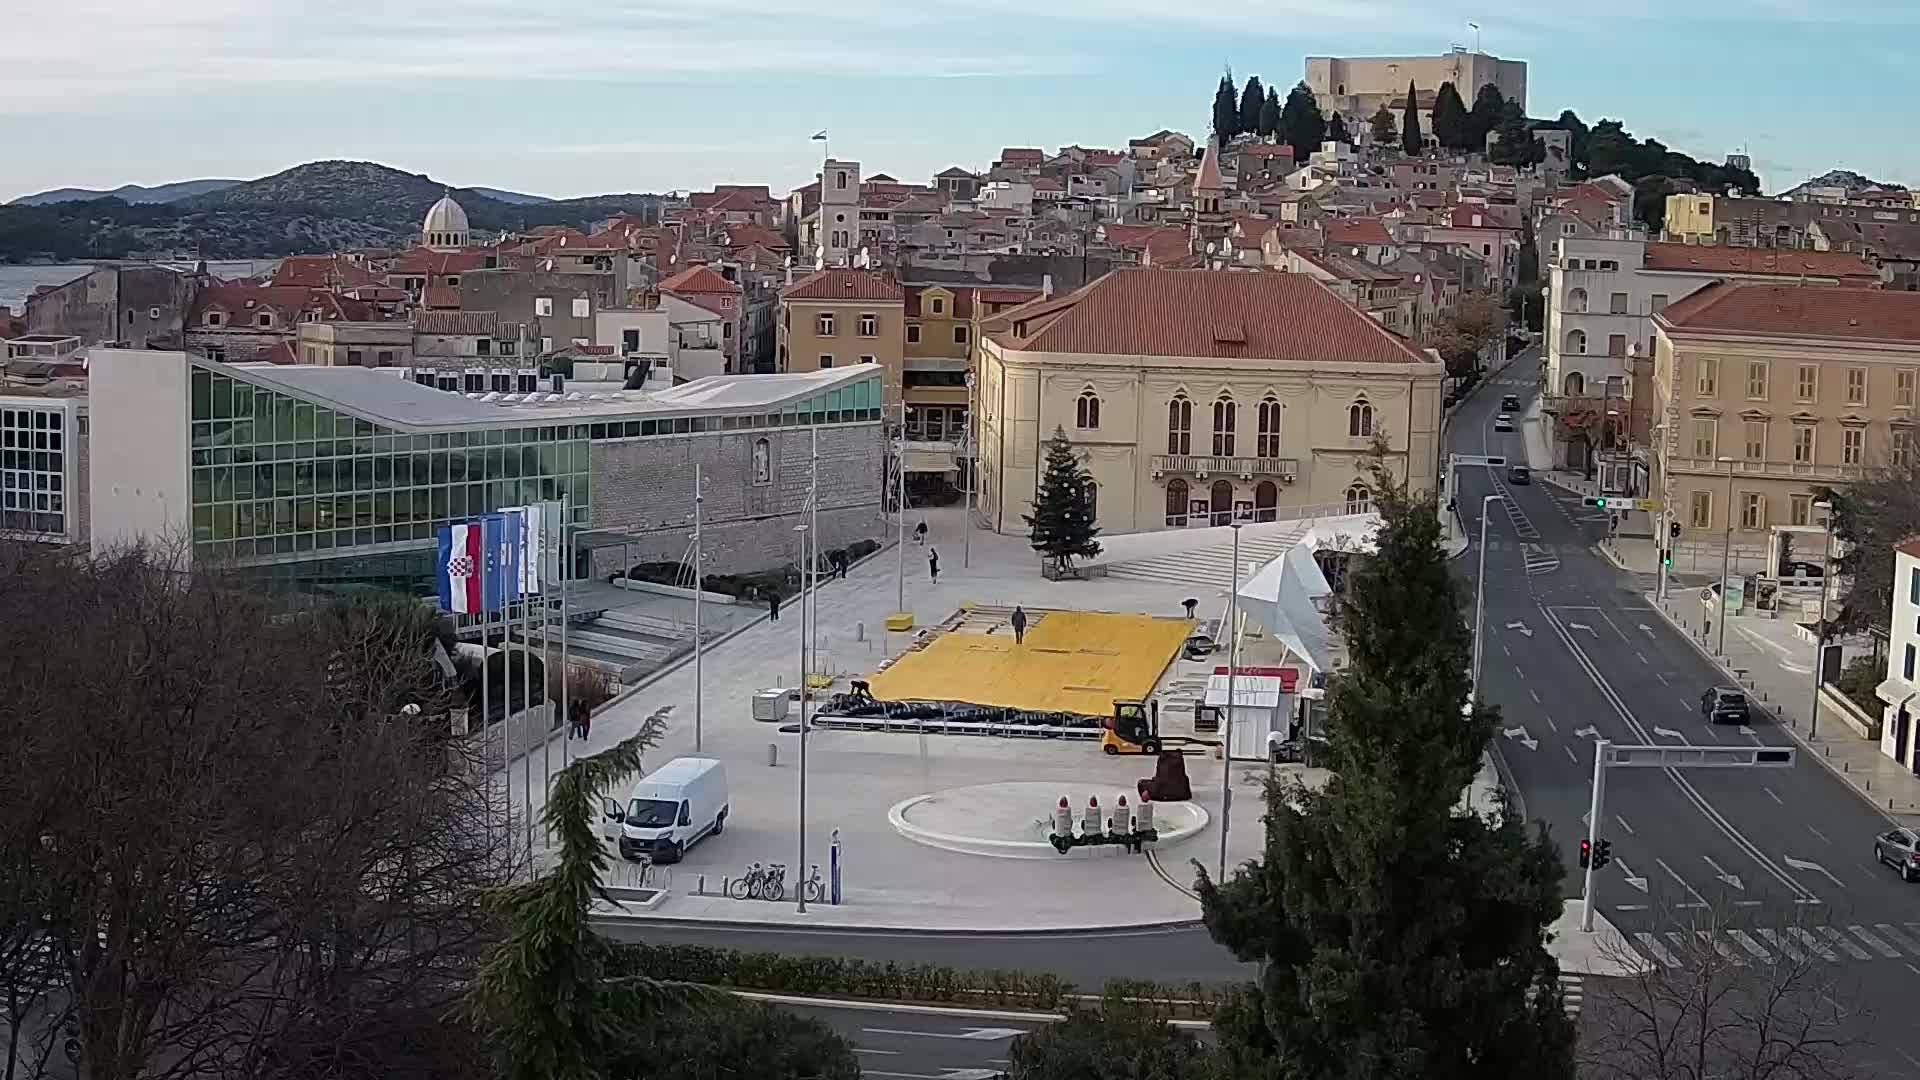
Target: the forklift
(1132, 729)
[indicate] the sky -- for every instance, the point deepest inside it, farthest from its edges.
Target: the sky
(580, 97)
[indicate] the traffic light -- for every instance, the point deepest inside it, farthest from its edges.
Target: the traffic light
(1673, 529)
(1666, 556)
(1603, 854)
(1586, 852)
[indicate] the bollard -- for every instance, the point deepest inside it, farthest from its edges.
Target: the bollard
(1090, 823)
(859, 631)
(700, 885)
(773, 754)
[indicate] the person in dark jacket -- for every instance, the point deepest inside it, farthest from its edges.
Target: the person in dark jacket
(933, 563)
(1019, 623)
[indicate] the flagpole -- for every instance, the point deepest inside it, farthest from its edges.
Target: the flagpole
(546, 662)
(699, 583)
(523, 544)
(807, 601)
(486, 694)
(566, 667)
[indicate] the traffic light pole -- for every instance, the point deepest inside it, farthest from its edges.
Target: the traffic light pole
(1664, 552)
(1593, 831)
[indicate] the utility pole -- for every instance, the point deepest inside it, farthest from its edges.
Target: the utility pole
(808, 567)
(699, 584)
(1226, 724)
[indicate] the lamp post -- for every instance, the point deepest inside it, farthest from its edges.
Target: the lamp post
(809, 579)
(1820, 644)
(1726, 555)
(1480, 588)
(1226, 725)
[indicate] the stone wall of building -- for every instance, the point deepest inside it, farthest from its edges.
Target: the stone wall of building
(643, 490)
(139, 306)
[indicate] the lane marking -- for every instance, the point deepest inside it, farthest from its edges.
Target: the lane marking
(1531, 692)
(1662, 678)
(1772, 796)
(1888, 931)
(1571, 756)
(1675, 875)
(1784, 944)
(1834, 935)
(1811, 829)
(1745, 941)
(1693, 795)
(1652, 947)
(1550, 723)
(1636, 652)
(1813, 944)
(1623, 824)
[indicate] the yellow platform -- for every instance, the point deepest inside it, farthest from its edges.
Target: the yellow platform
(900, 620)
(1073, 661)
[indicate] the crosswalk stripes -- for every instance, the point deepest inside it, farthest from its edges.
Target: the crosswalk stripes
(1826, 944)
(1540, 560)
(1572, 995)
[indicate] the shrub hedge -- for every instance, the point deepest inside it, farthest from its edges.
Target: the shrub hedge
(929, 983)
(783, 581)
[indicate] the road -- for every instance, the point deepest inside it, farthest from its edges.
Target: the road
(1781, 859)
(924, 1046)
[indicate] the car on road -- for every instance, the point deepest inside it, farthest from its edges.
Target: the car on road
(1724, 705)
(1503, 422)
(1899, 849)
(1510, 401)
(1519, 474)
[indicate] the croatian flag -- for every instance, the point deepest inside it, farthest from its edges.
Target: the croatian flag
(462, 557)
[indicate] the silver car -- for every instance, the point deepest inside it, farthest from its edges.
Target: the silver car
(1900, 849)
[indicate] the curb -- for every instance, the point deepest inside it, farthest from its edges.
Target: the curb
(1791, 724)
(1104, 930)
(917, 1009)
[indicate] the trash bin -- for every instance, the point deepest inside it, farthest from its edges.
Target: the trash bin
(770, 705)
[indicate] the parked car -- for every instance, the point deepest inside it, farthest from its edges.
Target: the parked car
(1519, 474)
(1899, 849)
(1510, 401)
(1791, 570)
(1503, 422)
(670, 809)
(1724, 705)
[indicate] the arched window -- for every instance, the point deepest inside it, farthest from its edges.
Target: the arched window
(1359, 501)
(1575, 384)
(1576, 300)
(1360, 420)
(1180, 425)
(1220, 501)
(1267, 445)
(1577, 342)
(1086, 411)
(1176, 503)
(1266, 500)
(1225, 412)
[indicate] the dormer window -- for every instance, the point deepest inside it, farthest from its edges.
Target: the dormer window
(216, 318)
(939, 305)
(265, 318)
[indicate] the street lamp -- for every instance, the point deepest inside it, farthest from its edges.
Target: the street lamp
(1726, 555)
(1226, 725)
(1825, 506)
(1480, 588)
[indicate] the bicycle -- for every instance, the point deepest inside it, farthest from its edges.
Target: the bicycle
(747, 885)
(774, 885)
(814, 889)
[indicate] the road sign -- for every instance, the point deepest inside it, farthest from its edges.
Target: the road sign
(1651, 506)
(1699, 757)
(1493, 461)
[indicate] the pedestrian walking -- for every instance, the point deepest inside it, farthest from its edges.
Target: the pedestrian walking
(773, 606)
(1019, 621)
(1189, 604)
(920, 533)
(933, 563)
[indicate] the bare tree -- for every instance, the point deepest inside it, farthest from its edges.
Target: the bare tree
(248, 859)
(1720, 999)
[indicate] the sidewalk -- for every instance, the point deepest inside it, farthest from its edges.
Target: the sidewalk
(1766, 657)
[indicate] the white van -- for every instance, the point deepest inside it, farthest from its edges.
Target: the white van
(670, 809)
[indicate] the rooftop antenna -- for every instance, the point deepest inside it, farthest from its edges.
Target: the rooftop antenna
(1475, 27)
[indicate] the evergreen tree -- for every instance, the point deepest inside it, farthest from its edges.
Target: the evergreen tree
(1516, 144)
(1061, 525)
(1252, 99)
(1527, 269)
(1410, 138)
(1270, 114)
(1385, 131)
(1449, 118)
(1397, 935)
(1301, 124)
(1488, 106)
(1337, 129)
(1226, 110)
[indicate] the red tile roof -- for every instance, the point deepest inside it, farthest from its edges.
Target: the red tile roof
(424, 261)
(1268, 150)
(1475, 216)
(848, 285)
(243, 300)
(1026, 155)
(1357, 231)
(1821, 312)
(699, 279)
(458, 323)
(322, 272)
(1717, 259)
(440, 298)
(1205, 313)
(739, 236)
(1909, 546)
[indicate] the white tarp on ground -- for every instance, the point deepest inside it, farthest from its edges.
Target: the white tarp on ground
(1284, 595)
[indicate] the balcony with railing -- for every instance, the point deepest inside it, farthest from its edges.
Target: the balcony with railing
(1765, 469)
(1246, 468)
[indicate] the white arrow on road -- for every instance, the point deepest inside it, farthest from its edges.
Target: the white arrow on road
(1749, 732)
(1802, 864)
(1637, 882)
(1648, 630)
(1583, 626)
(972, 1034)
(1731, 879)
(1587, 732)
(1519, 735)
(1668, 733)
(1520, 626)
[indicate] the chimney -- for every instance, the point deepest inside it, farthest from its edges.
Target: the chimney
(1046, 286)
(559, 383)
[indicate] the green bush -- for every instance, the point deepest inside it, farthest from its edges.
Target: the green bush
(847, 977)
(783, 581)
(1858, 679)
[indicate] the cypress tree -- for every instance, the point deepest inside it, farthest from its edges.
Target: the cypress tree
(1302, 126)
(1410, 139)
(1385, 131)
(1449, 118)
(1337, 129)
(1489, 105)
(1398, 936)
(1252, 99)
(1270, 114)
(1226, 110)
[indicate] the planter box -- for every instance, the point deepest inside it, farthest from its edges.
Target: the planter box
(1836, 706)
(1072, 573)
(637, 585)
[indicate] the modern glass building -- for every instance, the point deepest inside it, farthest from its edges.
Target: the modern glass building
(328, 479)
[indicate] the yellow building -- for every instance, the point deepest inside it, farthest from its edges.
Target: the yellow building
(1196, 396)
(837, 318)
(1764, 393)
(943, 329)
(1689, 218)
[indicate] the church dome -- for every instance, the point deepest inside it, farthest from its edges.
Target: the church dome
(445, 226)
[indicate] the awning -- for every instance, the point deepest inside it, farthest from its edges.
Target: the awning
(1896, 691)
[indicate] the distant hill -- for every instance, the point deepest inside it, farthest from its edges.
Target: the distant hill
(132, 194)
(1840, 178)
(514, 197)
(317, 207)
